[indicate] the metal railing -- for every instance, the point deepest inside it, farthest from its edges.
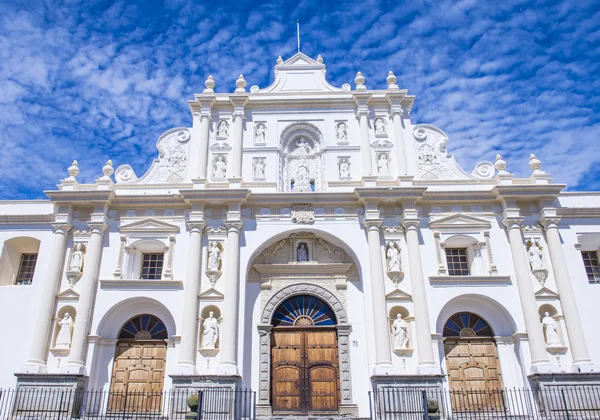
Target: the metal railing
(59, 404)
(550, 403)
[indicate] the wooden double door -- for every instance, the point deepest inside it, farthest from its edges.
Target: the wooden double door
(138, 377)
(473, 373)
(304, 370)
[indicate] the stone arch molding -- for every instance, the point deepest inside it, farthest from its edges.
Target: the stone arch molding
(304, 289)
(301, 149)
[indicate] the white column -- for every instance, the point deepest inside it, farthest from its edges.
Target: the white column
(365, 142)
(231, 309)
(203, 149)
(189, 324)
(537, 344)
(396, 114)
(236, 152)
(89, 283)
(567, 296)
(422, 326)
(383, 355)
(45, 311)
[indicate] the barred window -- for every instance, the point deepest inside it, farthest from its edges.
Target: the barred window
(458, 263)
(26, 269)
(152, 265)
(590, 260)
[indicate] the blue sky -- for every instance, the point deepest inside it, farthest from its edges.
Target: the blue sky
(92, 80)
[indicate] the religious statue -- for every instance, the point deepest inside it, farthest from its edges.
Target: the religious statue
(400, 331)
(259, 168)
(393, 257)
(76, 263)
(379, 126)
(210, 332)
(302, 179)
(259, 136)
(214, 256)
(63, 338)
(344, 169)
(551, 331)
(220, 168)
(302, 253)
(536, 258)
(341, 132)
(383, 165)
(303, 148)
(222, 129)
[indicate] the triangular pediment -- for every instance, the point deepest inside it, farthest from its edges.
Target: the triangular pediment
(460, 221)
(545, 293)
(68, 294)
(149, 225)
(398, 295)
(211, 294)
(300, 59)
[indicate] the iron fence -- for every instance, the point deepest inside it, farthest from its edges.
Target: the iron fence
(59, 404)
(550, 403)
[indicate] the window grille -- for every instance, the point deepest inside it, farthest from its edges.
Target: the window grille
(458, 264)
(26, 269)
(590, 260)
(152, 265)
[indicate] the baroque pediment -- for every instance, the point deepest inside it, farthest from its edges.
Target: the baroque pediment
(398, 295)
(149, 226)
(211, 294)
(303, 250)
(68, 294)
(460, 221)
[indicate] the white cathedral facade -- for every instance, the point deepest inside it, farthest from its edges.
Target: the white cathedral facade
(309, 242)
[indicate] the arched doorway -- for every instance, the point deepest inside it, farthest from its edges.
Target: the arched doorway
(304, 357)
(472, 362)
(139, 366)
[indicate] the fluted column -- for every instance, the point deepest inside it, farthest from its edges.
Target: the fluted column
(410, 223)
(565, 290)
(89, 283)
(229, 353)
(189, 324)
(383, 354)
(36, 362)
(537, 344)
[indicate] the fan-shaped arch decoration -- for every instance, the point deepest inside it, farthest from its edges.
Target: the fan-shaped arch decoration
(467, 324)
(143, 327)
(303, 311)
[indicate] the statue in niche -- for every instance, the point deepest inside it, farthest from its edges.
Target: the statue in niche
(76, 263)
(379, 126)
(302, 147)
(344, 168)
(393, 257)
(219, 168)
(214, 256)
(222, 129)
(400, 332)
(341, 133)
(259, 168)
(210, 332)
(551, 331)
(302, 253)
(536, 257)
(63, 338)
(302, 179)
(260, 134)
(383, 164)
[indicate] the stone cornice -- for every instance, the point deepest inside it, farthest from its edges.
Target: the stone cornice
(578, 212)
(26, 219)
(92, 197)
(216, 196)
(537, 192)
(390, 194)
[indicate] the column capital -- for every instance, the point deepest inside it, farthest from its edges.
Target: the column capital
(61, 228)
(549, 222)
(98, 226)
(372, 224)
(264, 329)
(195, 225)
(512, 222)
(234, 225)
(203, 104)
(410, 218)
(238, 101)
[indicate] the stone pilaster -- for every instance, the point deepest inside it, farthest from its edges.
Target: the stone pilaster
(396, 112)
(362, 114)
(238, 101)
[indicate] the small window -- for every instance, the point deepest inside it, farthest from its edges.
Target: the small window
(458, 263)
(152, 265)
(590, 260)
(26, 269)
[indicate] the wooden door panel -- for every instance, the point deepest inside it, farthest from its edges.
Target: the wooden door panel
(323, 388)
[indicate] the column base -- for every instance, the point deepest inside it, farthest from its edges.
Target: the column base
(186, 369)
(73, 369)
(264, 410)
(585, 366)
(382, 370)
(428, 370)
(348, 410)
(228, 370)
(542, 368)
(35, 367)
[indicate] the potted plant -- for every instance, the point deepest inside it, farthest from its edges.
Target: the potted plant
(433, 409)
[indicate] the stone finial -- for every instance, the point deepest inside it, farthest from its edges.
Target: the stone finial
(73, 170)
(391, 80)
(107, 169)
(320, 59)
(210, 84)
(500, 163)
(359, 81)
(240, 83)
(534, 163)
(279, 60)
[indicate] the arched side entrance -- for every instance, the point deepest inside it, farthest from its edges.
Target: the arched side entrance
(472, 362)
(304, 357)
(139, 366)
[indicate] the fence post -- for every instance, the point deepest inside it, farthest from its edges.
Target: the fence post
(200, 401)
(503, 404)
(125, 405)
(425, 411)
(60, 403)
(562, 393)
